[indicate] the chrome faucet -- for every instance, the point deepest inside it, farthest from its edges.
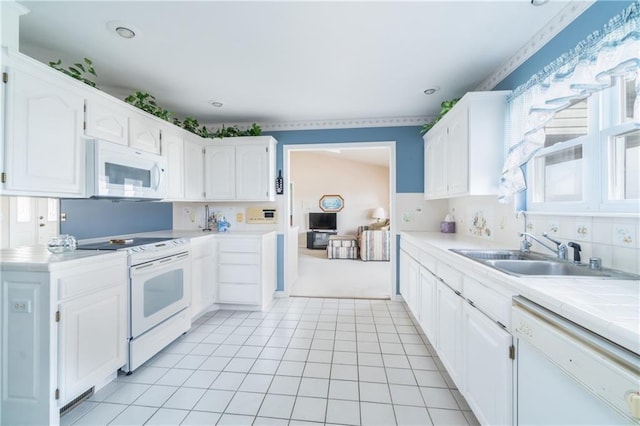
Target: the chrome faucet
(561, 250)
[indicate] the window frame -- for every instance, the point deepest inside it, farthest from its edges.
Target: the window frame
(605, 123)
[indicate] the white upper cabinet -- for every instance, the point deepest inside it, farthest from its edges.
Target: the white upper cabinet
(241, 168)
(193, 169)
(144, 133)
(220, 175)
(465, 149)
(173, 151)
(44, 145)
(106, 119)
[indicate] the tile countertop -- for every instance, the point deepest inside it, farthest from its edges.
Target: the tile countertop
(610, 308)
(39, 259)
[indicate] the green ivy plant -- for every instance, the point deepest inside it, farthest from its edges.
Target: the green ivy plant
(147, 103)
(233, 131)
(78, 71)
(445, 107)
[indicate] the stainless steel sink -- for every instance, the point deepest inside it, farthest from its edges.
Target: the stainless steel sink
(532, 264)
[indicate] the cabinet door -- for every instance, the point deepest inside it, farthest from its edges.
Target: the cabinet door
(457, 152)
(413, 299)
(449, 331)
(220, 172)
(253, 181)
(144, 133)
(404, 274)
(193, 170)
(173, 151)
(45, 151)
(488, 369)
(106, 120)
(202, 288)
(428, 283)
(92, 339)
(435, 164)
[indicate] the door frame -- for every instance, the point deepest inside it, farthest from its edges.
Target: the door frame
(391, 146)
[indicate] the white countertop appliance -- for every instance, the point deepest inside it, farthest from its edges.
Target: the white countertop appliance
(568, 375)
(159, 292)
(119, 172)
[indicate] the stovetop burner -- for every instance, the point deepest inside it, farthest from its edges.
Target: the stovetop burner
(122, 243)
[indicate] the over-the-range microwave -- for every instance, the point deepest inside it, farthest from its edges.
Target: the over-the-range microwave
(120, 172)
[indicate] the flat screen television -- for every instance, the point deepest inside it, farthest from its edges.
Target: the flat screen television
(323, 221)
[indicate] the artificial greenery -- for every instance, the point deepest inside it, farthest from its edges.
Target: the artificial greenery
(147, 102)
(78, 71)
(232, 131)
(445, 107)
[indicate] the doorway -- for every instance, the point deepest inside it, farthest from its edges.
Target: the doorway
(352, 171)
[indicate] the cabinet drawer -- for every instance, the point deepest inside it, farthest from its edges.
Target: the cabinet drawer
(109, 275)
(239, 293)
(244, 274)
(451, 276)
(239, 245)
(239, 259)
(428, 261)
(497, 306)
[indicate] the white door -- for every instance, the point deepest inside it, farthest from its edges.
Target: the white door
(220, 172)
(144, 133)
(45, 151)
(193, 170)
(173, 151)
(106, 120)
(457, 155)
(428, 300)
(92, 339)
(252, 172)
(488, 368)
(449, 334)
(32, 220)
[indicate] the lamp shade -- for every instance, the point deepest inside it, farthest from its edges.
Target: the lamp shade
(378, 213)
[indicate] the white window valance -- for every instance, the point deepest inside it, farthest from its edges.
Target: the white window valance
(586, 69)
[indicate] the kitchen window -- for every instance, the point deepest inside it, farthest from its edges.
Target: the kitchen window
(590, 160)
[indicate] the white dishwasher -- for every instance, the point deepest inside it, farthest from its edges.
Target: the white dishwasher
(567, 375)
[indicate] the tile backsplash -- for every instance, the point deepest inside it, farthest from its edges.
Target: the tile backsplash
(614, 239)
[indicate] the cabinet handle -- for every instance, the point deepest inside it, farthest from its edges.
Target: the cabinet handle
(42, 225)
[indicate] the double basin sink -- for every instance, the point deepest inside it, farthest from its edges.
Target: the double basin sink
(531, 264)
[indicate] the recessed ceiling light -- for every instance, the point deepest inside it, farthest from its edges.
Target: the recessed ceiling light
(539, 2)
(125, 32)
(123, 29)
(431, 90)
(215, 104)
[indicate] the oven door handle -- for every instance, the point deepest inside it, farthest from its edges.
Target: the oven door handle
(164, 262)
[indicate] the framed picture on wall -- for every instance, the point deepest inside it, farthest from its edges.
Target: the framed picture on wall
(331, 203)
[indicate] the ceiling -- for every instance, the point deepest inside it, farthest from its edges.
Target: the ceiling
(287, 62)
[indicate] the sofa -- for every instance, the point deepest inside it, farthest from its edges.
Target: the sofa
(374, 241)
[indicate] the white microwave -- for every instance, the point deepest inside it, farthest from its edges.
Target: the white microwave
(119, 172)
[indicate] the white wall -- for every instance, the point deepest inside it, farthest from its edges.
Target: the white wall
(362, 186)
(612, 238)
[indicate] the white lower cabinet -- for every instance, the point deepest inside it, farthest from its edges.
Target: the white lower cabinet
(449, 331)
(64, 333)
(487, 368)
(466, 320)
(203, 277)
(246, 269)
(428, 286)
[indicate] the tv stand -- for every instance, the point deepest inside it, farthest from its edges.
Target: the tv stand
(319, 239)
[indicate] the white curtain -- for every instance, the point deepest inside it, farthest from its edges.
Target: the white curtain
(588, 68)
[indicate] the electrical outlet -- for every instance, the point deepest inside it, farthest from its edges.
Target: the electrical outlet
(21, 306)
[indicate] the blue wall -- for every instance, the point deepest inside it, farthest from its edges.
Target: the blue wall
(409, 148)
(103, 218)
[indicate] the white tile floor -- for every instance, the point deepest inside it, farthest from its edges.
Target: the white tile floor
(305, 361)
